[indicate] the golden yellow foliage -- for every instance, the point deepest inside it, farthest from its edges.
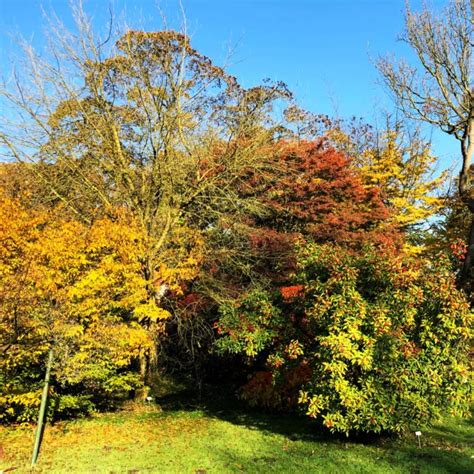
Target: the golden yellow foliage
(403, 173)
(85, 290)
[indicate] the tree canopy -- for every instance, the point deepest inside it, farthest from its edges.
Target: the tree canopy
(157, 216)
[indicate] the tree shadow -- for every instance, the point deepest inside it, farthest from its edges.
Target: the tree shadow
(457, 431)
(344, 461)
(429, 460)
(222, 404)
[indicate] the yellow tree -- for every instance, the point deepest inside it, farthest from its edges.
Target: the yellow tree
(80, 289)
(398, 161)
(403, 167)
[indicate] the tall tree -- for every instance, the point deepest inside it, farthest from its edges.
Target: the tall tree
(141, 121)
(312, 190)
(440, 92)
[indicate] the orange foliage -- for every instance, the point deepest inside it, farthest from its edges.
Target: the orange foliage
(289, 293)
(314, 191)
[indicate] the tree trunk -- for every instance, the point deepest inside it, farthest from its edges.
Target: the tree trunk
(465, 276)
(142, 393)
(466, 193)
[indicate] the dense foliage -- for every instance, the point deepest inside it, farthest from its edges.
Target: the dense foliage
(160, 217)
(80, 290)
(362, 342)
(312, 190)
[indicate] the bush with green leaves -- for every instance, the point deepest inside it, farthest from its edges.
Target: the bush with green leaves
(372, 342)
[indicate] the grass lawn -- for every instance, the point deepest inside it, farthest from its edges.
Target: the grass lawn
(174, 436)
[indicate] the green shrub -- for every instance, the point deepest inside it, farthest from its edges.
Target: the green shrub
(71, 406)
(20, 394)
(383, 340)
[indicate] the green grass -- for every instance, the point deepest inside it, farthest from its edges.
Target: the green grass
(179, 437)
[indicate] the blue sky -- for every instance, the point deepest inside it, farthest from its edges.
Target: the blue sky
(321, 48)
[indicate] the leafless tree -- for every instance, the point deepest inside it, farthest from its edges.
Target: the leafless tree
(439, 91)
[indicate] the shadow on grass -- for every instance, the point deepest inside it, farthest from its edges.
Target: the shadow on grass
(339, 461)
(455, 431)
(434, 460)
(223, 405)
(442, 454)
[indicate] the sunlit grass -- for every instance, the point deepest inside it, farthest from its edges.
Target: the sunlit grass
(179, 437)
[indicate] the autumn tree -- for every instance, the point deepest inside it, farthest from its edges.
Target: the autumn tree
(449, 233)
(394, 158)
(440, 92)
(79, 290)
(399, 162)
(312, 190)
(142, 122)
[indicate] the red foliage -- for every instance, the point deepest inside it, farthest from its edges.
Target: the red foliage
(191, 304)
(275, 252)
(298, 376)
(459, 249)
(190, 299)
(290, 293)
(260, 389)
(314, 191)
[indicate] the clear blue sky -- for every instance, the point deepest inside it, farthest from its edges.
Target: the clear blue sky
(321, 48)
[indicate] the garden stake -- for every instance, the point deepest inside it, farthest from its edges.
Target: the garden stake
(418, 435)
(42, 412)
